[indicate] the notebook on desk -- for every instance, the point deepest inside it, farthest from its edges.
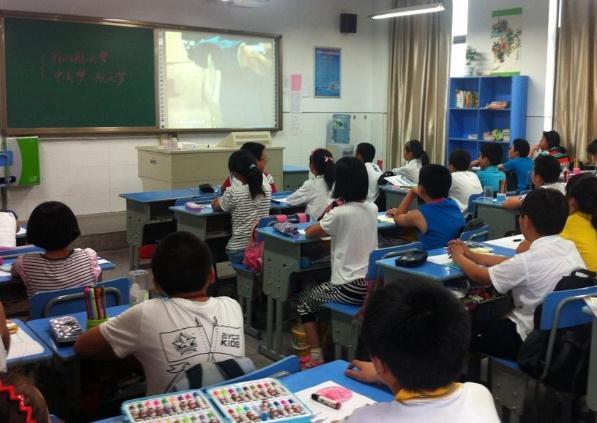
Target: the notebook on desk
(23, 345)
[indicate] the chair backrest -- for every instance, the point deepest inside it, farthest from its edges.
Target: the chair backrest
(511, 180)
(284, 367)
(472, 209)
(71, 300)
(380, 253)
(477, 234)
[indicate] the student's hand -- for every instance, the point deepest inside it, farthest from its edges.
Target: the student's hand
(392, 212)
(215, 204)
(474, 163)
(363, 371)
(457, 248)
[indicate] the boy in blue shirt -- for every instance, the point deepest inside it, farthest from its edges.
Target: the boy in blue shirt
(489, 159)
(437, 221)
(519, 162)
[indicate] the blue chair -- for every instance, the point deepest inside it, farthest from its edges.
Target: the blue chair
(472, 208)
(345, 326)
(509, 384)
(284, 367)
(71, 300)
(478, 234)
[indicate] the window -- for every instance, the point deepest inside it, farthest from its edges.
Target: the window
(459, 29)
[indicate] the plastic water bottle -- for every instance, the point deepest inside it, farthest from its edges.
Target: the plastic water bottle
(138, 286)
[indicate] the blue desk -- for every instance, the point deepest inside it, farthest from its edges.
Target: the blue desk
(282, 258)
(19, 251)
(395, 195)
(429, 270)
(41, 328)
(7, 279)
(333, 371)
(294, 176)
(500, 220)
(45, 355)
(143, 208)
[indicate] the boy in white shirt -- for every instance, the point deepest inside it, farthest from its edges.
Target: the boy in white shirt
(366, 153)
(530, 275)
(417, 334)
(170, 335)
(464, 182)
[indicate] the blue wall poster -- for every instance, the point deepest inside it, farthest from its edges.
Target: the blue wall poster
(327, 72)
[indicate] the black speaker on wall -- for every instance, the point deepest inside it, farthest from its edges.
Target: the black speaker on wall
(348, 23)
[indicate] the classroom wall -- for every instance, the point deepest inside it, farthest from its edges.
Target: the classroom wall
(533, 49)
(88, 173)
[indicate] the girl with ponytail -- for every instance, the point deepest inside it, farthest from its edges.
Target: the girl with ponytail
(316, 192)
(415, 158)
(247, 203)
(581, 226)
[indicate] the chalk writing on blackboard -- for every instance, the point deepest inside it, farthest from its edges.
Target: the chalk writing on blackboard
(79, 67)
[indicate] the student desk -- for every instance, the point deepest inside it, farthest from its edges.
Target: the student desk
(45, 355)
(499, 219)
(143, 208)
(395, 195)
(332, 371)
(430, 271)
(294, 176)
(19, 251)
(282, 258)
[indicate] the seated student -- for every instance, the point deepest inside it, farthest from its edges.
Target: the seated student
(247, 202)
(417, 334)
(19, 398)
(366, 153)
(353, 229)
(489, 159)
(258, 151)
(464, 182)
(530, 275)
(415, 158)
(316, 193)
(545, 174)
(550, 144)
(592, 151)
(438, 220)
(581, 226)
(8, 229)
(53, 227)
(519, 162)
(172, 334)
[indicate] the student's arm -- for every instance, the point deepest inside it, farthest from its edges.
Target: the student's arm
(523, 246)
(93, 345)
(404, 206)
(363, 371)
(513, 202)
(3, 329)
(300, 196)
(475, 272)
(215, 204)
(224, 203)
(315, 231)
(412, 219)
(478, 258)
(17, 267)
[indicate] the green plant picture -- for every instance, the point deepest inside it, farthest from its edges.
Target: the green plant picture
(506, 35)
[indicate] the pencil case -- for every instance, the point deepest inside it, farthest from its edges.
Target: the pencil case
(183, 406)
(258, 400)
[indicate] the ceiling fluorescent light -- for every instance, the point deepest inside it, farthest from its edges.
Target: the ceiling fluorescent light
(408, 11)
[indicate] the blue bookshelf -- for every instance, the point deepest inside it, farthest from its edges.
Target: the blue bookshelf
(466, 123)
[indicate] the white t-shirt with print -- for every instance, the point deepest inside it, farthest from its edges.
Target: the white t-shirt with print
(533, 275)
(169, 336)
(315, 194)
(353, 228)
(471, 403)
(373, 172)
(245, 212)
(464, 184)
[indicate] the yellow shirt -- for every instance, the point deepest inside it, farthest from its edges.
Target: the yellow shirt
(579, 230)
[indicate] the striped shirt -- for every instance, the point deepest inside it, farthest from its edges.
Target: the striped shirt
(39, 273)
(245, 213)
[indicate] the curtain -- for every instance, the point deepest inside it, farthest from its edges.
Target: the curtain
(419, 72)
(575, 108)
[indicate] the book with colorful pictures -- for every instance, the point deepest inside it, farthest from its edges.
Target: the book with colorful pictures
(258, 401)
(184, 407)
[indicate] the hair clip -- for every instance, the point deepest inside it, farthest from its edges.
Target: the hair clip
(328, 159)
(252, 166)
(23, 409)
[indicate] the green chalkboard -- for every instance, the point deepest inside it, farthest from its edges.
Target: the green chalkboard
(78, 75)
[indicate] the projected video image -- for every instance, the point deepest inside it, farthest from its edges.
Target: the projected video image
(219, 81)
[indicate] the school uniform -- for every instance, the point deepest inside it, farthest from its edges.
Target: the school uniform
(8, 230)
(410, 170)
(353, 229)
(581, 231)
(170, 335)
(373, 174)
(464, 184)
(467, 402)
(521, 166)
(530, 276)
(315, 194)
(444, 223)
(491, 176)
(267, 180)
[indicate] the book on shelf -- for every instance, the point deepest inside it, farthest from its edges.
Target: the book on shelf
(467, 99)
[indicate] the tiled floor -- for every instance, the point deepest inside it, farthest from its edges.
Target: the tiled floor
(121, 259)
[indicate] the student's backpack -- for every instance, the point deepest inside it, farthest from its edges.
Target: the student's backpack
(569, 367)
